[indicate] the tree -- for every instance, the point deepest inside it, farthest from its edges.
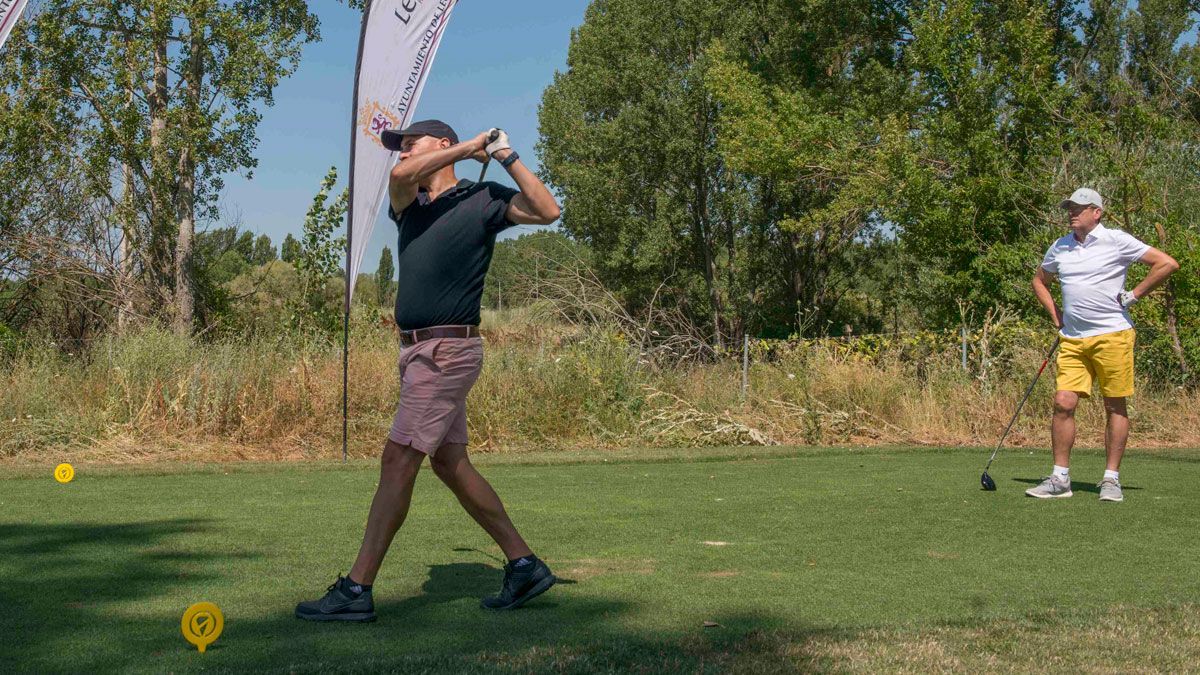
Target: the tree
(1138, 122)
(813, 138)
(244, 245)
(289, 252)
(521, 266)
(385, 277)
(163, 100)
(628, 137)
(690, 153)
(985, 106)
(319, 262)
(263, 251)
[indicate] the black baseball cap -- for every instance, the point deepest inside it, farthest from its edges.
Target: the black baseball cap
(392, 139)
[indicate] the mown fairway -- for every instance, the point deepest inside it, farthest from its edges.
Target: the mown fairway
(807, 559)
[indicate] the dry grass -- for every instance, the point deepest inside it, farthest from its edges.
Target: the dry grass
(545, 386)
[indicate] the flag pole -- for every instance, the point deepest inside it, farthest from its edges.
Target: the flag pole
(349, 240)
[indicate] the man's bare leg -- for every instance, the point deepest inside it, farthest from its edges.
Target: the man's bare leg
(1062, 428)
(476, 495)
(397, 474)
(1116, 431)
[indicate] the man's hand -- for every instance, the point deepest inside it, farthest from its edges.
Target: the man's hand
(1126, 298)
(501, 143)
(479, 147)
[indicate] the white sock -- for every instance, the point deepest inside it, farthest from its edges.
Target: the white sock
(1062, 472)
(1109, 473)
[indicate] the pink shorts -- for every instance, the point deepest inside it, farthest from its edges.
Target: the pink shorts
(435, 376)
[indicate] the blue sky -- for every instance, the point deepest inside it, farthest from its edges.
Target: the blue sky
(491, 69)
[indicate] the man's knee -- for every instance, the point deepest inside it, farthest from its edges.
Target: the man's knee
(447, 461)
(400, 460)
(1065, 403)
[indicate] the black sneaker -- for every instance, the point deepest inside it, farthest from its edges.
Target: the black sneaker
(339, 604)
(520, 586)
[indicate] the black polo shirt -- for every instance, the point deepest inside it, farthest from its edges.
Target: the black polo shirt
(444, 251)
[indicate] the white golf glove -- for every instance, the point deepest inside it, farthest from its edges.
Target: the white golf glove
(501, 142)
(1126, 298)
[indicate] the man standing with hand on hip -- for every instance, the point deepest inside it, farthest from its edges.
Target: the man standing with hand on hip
(1096, 332)
(447, 231)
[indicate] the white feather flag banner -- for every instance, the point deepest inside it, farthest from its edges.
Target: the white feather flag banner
(399, 42)
(10, 11)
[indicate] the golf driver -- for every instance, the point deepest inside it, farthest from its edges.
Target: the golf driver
(985, 480)
(491, 138)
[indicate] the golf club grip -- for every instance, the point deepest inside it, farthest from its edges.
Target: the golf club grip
(492, 137)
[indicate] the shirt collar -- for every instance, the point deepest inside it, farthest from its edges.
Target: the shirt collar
(1096, 233)
(462, 184)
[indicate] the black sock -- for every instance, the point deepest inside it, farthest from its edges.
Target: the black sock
(523, 561)
(354, 587)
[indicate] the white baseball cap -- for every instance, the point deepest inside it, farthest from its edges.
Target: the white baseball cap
(1083, 197)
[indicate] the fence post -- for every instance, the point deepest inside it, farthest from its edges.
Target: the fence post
(964, 348)
(745, 363)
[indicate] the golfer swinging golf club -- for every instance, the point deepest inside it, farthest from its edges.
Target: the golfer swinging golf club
(447, 230)
(1096, 332)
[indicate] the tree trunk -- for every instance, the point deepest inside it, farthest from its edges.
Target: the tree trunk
(702, 230)
(128, 225)
(194, 78)
(184, 298)
(161, 216)
(129, 217)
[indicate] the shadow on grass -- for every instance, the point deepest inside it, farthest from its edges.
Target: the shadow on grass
(60, 581)
(89, 598)
(1076, 486)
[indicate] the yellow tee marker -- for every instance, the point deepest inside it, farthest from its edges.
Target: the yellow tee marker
(202, 624)
(64, 472)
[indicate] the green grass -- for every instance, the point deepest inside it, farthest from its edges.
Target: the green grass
(833, 560)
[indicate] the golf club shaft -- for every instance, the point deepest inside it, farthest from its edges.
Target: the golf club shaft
(1022, 403)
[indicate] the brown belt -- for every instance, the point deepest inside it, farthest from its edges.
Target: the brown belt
(412, 337)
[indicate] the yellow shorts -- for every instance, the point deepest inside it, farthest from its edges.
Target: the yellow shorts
(1107, 358)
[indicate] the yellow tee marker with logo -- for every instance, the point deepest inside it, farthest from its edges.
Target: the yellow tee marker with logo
(64, 472)
(202, 624)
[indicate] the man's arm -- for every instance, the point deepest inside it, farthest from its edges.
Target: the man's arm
(1161, 267)
(533, 205)
(1042, 290)
(407, 175)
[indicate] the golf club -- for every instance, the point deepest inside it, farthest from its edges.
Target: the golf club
(491, 138)
(985, 479)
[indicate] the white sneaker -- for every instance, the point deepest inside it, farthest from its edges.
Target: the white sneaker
(1110, 490)
(1051, 487)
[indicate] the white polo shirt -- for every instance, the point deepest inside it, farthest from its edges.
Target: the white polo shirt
(1092, 274)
